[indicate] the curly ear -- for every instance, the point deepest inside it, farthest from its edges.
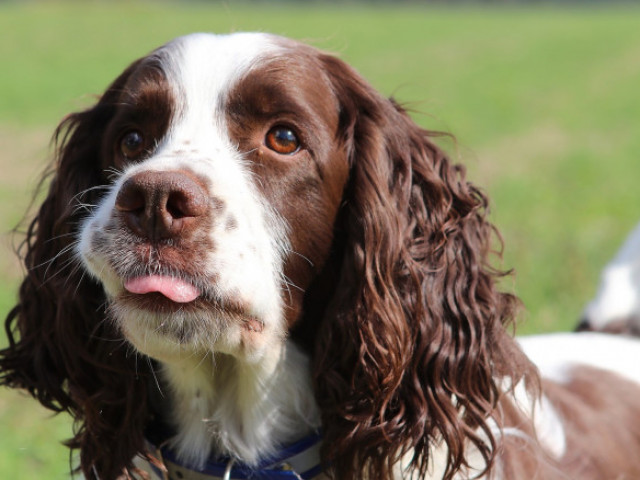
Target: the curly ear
(414, 340)
(61, 349)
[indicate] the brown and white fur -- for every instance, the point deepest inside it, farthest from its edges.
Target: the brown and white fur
(244, 240)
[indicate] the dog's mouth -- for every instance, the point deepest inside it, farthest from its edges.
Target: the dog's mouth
(174, 289)
(163, 294)
(166, 294)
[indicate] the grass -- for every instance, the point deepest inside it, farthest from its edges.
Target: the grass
(544, 104)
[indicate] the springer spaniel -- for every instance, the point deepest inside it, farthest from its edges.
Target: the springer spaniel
(616, 306)
(247, 255)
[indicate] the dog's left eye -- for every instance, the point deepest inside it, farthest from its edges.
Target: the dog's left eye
(132, 144)
(282, 140)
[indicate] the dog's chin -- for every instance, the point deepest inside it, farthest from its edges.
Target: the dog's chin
(174, 332)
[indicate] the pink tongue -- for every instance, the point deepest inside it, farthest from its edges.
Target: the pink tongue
(173, 288)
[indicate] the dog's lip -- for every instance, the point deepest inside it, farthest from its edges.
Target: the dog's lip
(174, 288)
(168, 294)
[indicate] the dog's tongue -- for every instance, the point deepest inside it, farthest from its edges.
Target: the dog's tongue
(174, 289)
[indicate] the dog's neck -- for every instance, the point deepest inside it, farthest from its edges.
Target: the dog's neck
(227, 407)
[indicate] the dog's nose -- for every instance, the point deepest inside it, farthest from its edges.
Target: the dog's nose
(161, 205)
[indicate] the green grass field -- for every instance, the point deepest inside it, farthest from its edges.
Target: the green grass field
(544, 103)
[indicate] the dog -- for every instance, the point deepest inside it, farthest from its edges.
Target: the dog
(250, 264)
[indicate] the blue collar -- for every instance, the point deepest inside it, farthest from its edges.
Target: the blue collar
(299, 461)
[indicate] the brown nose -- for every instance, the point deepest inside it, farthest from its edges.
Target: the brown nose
(161, 205)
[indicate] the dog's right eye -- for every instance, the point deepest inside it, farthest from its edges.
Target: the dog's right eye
(132, 144)
(282, 140)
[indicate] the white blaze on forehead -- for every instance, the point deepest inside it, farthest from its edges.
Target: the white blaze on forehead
(202, 69)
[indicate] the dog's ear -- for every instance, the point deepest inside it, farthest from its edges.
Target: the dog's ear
(61, 348)
(414, 340)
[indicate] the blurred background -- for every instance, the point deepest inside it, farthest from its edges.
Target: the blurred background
(543, 99)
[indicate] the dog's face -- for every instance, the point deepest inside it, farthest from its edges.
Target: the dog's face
(227, 176)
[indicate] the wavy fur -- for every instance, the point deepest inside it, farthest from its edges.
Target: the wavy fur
(61, 349)
(409, 353)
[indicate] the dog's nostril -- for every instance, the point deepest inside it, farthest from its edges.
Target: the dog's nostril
(181, 203)
(176, 206)
(130, 198)
(160, 205)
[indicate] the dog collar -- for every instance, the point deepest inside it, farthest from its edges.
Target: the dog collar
(299, 461)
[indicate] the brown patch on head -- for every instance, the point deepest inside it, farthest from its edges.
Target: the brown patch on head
(292, 90)
(145, 104)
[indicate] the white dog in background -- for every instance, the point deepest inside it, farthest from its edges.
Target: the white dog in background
(616, 306)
